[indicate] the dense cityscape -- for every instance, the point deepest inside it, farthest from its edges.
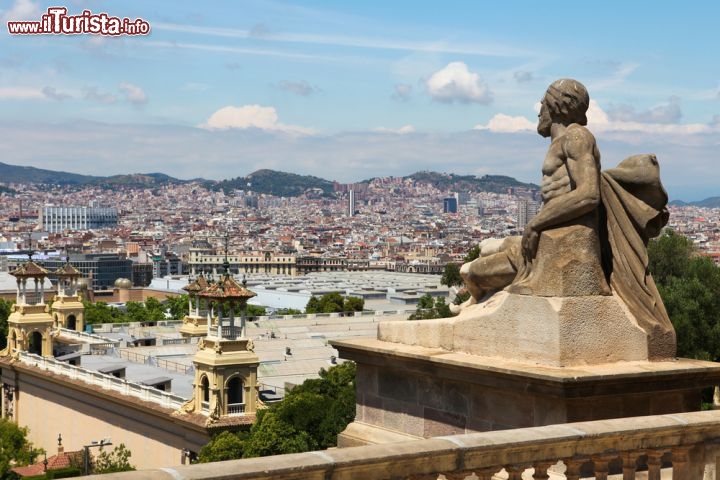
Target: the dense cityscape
(395, 225)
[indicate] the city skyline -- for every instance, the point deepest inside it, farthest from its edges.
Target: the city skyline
(359, 89)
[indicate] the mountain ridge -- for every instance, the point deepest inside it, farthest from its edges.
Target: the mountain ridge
(275, 182)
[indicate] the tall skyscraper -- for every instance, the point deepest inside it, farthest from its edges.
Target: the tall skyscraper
(351, 203)
(450, 205)
(526, 210)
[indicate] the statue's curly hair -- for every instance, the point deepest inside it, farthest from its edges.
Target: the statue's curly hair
(568, 99)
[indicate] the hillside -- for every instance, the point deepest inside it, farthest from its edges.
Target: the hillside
(280, 184)
(19, 174)
(468, 183)
(710, 202)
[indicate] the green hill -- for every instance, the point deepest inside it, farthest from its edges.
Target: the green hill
(468, 183)
(280, 184)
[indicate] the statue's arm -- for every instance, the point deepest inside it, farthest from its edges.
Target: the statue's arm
(583, 171)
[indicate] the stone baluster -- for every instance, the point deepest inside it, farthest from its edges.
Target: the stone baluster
(458, 475)
(601, 463)
(573, 466)
(541, 469)
(486, 473)
(629, 464)
(514, 472)
(680, 463)
(654, 462)
(425, 476)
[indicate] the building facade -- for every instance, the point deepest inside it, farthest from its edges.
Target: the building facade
(59, 219)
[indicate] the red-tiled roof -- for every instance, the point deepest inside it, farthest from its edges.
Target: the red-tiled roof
(227, 289)
(198, 285)
(30, 269)
(68, 271)
(61, 460)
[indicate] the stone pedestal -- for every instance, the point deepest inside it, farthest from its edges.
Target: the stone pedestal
(411, 391)
(554, 331)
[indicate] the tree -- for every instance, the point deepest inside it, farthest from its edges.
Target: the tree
(429, 308)
(179, 306)
(154, 310)
(353, 304)
(689, 285)
(116, 461)
(333, 302)
(100, 312)
(223, 446)
(255, 311)
(472, 254)
(15, 449)
(135, 312)
(669, 255)
(5, 308)
(310, 417)
(271, 435)
(451, 275)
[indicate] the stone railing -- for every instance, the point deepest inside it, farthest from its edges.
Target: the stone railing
(236, 408)
(85, 337)
(106, 381)
(682, 446)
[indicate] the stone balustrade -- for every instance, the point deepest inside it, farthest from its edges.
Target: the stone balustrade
(106, 381)
(682, 446)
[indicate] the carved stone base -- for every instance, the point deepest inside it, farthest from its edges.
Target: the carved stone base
(553, 331)
(406, 392)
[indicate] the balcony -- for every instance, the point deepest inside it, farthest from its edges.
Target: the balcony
(683, 446)
(236, 408)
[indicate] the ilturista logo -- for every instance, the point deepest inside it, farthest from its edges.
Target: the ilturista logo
(57, 22)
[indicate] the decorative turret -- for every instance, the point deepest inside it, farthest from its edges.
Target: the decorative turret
(225, 363)
(30, 325)
(194, 323)
(67, 308)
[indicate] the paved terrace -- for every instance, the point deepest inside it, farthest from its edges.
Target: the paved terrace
(683, 446)
(381, 290)
(291, 349)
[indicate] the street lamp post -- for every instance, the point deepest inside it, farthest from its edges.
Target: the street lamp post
(86, 453)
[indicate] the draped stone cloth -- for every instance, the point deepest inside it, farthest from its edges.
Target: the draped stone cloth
(634, 203)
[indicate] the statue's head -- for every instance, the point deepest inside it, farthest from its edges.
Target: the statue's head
(565, 101)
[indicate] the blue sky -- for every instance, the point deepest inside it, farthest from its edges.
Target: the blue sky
(351, 90)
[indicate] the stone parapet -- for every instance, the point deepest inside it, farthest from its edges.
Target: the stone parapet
(682, 444)
(421, 392)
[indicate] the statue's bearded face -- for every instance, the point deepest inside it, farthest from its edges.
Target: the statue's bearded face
(544, 120)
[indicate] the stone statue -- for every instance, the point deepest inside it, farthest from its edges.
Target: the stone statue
(590, 236)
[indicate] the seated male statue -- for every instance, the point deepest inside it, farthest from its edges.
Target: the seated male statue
(591, 233)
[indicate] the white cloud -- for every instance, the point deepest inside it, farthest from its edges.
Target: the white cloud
(600, 121)
(523, 76)
(502, 123)
(669, 112)
(405, 129)
(53, 94)
(133, 94)
(301, 88)
(402, 92)
(250, 116)
(646, 122)
(456, 83)
(94, 95)
(21, 10)
(20, 93)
